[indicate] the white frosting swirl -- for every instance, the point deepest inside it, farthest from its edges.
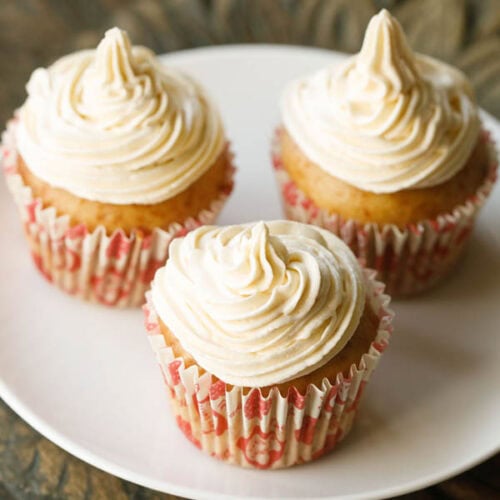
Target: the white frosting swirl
(387, 119)
(263, 303)
(113, 125)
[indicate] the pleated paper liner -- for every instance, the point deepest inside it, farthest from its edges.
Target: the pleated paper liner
(251, 430)
(408, 260)
(115, 269)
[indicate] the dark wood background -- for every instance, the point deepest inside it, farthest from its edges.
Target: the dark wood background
(36, 32)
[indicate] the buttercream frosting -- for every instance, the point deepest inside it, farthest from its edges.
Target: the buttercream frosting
(114, 125)
(259, 304)
(386, 119)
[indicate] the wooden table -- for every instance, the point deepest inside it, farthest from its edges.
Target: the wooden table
(35, 32)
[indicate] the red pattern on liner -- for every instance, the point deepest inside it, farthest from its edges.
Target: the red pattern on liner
(261, 449)
(217, 390)
(256, 406)
(306, 433)
(185, 427)
(173, 369)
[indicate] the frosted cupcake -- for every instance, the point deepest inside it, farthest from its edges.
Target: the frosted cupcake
(386, 150)
(111, 156)
(266, 334)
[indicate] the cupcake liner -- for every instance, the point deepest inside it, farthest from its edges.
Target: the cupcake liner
(408, 260)
(267, 432)
(116, 269)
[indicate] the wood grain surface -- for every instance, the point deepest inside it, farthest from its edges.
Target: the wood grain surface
(36, 32)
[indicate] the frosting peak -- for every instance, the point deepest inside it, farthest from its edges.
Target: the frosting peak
(113, 59)
(386, 119)
(385, 55)
(249, 261)
(114, 125)
(259, 304)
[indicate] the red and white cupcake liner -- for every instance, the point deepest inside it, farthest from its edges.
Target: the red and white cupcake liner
(408, 260)
(116, 269)
(274, 431)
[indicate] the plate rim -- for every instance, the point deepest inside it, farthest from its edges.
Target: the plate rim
(53, 435)
(93, 459)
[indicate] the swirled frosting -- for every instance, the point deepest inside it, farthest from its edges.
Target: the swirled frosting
(387, 119)
(114, 125)
(259, 304)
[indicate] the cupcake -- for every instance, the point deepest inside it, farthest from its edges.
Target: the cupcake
(387, 151)
(266, 335)
(111, 156)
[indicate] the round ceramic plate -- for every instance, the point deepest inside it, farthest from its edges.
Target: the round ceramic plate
(85, 377)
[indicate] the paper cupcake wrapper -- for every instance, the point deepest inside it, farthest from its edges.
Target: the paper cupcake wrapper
(270, 432)
(116, 269)
(408, 260)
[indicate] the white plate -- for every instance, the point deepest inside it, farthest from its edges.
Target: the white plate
(84, 375)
